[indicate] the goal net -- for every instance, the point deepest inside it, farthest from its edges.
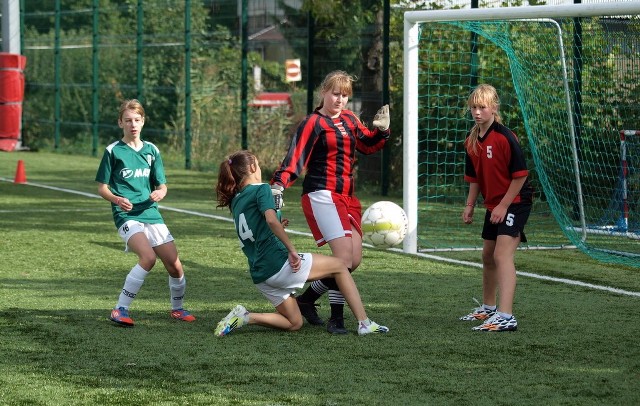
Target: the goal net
(569, 83)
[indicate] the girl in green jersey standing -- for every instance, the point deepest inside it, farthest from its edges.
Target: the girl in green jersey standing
(276, 268)
(131, 177)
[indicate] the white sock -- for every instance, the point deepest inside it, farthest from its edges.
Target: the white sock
(506, 316)
(487, 307)
(366, 322)
(177, 287)
(132, 285)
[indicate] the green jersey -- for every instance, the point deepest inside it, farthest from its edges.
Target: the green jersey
(265, 251)
(134, 175)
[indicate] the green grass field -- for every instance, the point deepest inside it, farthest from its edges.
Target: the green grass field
(62, 267)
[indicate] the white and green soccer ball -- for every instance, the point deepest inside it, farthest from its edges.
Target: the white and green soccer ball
(384, 224)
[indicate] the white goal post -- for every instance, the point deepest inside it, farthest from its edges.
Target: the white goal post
(412, 20)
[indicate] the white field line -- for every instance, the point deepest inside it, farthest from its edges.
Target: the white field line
(532, 275)
(47, 211)
(397, 250)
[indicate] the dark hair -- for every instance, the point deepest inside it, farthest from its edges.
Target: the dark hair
(233, 170)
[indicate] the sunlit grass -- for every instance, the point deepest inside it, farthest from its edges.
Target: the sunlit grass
(63, 265)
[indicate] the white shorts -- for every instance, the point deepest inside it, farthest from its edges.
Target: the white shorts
(331, 215)
(157, 234)
(280, 286)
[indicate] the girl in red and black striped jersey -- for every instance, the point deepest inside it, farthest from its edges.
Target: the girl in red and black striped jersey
(325, 144)
(496, 168)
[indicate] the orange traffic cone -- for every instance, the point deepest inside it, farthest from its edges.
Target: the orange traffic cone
(21, 176)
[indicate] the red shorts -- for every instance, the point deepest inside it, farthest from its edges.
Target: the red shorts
(331, 215)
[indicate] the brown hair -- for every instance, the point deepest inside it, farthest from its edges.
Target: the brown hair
(233, 170)
(131, 104)
(482, 95)
(337, 78)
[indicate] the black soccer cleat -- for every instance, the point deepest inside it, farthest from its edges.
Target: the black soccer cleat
(310, 313)
(336, 326)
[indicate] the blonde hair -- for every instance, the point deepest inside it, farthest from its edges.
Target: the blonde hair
(483, 95)
(131, 104)
(337, 78)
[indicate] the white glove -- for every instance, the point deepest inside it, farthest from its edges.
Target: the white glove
(276, 191)
(382, 119)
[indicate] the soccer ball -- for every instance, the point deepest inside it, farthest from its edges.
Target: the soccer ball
(384, 224)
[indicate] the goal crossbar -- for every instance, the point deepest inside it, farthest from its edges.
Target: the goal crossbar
(412, 19)
(523, 12)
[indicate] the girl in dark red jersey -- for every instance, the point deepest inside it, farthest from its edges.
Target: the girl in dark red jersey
(325, 144)
(496, 168)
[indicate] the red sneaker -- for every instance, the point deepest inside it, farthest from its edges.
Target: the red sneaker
(181, 314)
(120, 316)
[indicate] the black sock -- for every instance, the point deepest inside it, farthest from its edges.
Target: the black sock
(337, 311)
(329, 283)
(309, 296)
(336, 301)
(313, 292)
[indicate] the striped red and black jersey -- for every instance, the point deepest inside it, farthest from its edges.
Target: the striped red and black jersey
(326, 147)
(499, 159)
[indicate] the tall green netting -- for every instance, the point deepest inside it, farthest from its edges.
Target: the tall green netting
(568, 87)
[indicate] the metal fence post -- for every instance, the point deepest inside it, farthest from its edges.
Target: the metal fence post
(56, 67)
(244, 85)
(95, 79)
(187, 85)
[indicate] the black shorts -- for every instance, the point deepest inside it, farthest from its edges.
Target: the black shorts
(513, 224)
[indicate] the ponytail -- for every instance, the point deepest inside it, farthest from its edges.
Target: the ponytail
(233, 170)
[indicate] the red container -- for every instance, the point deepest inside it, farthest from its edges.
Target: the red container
(14, 61)
(11, 96)
(11, 86)
(10, 120)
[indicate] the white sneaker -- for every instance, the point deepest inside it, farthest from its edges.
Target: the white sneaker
(373, 327)
(479, 313)
(234, 320)
(498, 323)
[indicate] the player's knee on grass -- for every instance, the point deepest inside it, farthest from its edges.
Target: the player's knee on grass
(296, 322)
(296, 326)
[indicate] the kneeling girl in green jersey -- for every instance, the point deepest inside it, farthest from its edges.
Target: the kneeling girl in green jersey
(276, 268)
(131, 177)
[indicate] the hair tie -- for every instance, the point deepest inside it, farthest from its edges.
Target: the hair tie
(229, 161)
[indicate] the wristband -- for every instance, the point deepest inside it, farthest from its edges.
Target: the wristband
(471, 204)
